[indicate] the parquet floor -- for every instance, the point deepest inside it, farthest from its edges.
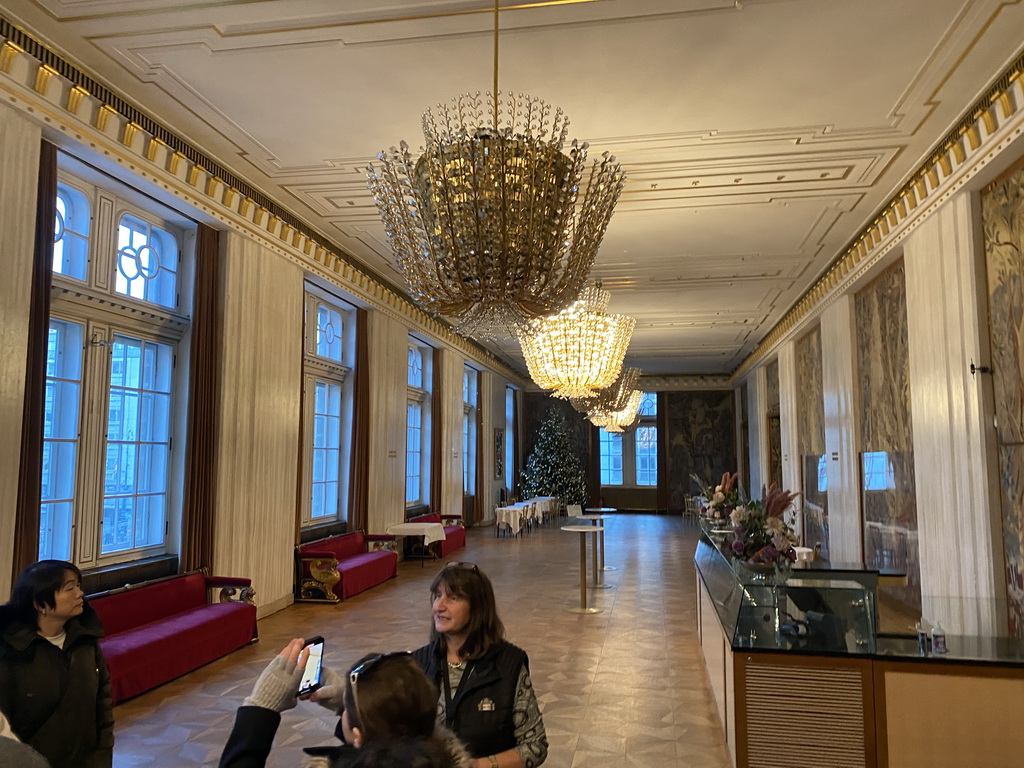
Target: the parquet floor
(625, 687)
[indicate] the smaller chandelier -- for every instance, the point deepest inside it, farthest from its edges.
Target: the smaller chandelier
(579, 350)
(612, 398)
(620, 420)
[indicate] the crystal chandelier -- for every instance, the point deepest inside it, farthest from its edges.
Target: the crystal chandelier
(579, 350)
(611, 398)
(618, 420)
(494, 225)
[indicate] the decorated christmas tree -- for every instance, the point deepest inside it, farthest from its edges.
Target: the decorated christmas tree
(555, 468)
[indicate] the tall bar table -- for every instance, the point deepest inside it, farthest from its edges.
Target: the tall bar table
(583, 530)
(599, 514)
(599, 569)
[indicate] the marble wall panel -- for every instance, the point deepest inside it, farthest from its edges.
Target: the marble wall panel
(701, 440)
(888, 492)
(810, 417)
(1003, 226)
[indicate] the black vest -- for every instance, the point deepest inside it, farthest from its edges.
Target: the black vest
(481, 713)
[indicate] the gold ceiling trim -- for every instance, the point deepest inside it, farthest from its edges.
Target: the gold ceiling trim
(1003, 101)
(85, 104)
(677, 382)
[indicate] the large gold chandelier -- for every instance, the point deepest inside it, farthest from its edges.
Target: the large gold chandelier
(579, 350)
(494, 225)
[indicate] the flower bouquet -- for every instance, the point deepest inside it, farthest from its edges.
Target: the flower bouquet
(720, 501)
(761, 536)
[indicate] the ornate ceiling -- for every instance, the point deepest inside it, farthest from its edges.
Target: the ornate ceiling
(760, 137)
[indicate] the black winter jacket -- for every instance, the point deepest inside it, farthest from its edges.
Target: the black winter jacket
(253, 736)
(481, 711)
(58, 700)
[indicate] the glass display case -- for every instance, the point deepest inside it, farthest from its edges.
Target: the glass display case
(787, 611)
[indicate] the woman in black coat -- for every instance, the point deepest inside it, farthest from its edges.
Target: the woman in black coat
(54, 685)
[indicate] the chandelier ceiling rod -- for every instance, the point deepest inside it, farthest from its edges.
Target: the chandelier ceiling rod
(496, 64)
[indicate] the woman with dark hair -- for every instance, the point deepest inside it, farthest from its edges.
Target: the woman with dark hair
(54, 686)
(388, 718)
(486, 696)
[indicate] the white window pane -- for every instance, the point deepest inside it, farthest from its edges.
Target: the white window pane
(330, 499)
(147, 262)
(149, 521)
(152, 476)
(58, 470)
(55, 531)
(71, 233)
(117, 524)
(60, 410)
(317, 508)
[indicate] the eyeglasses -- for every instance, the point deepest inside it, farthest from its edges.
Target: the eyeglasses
(364, 669)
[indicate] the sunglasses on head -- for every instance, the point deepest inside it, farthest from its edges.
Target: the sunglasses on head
(467, 566)
(363, 670)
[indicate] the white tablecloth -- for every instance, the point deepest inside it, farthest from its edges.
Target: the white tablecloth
(548, 504)
(513, 515)
(430, 532)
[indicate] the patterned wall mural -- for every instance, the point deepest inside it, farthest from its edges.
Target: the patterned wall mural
(810, 425)
(774, 415)
(888, 491)
(1003, 225)
(701, 440)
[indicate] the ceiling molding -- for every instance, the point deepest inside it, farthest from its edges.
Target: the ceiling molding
(994, 121)
(38, 80)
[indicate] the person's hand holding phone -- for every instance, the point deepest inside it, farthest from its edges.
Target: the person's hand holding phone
(311, 677)
(277, 684)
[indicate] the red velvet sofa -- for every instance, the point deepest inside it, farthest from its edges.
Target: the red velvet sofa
(162, 629)
(337, 567)
(454, 532)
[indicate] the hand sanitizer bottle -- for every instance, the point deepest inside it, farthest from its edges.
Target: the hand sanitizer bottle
(938, 639)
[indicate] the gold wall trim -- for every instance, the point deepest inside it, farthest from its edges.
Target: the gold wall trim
(91, 107)
(1002, 102)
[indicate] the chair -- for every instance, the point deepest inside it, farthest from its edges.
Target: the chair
(691, 507)
(574, 510)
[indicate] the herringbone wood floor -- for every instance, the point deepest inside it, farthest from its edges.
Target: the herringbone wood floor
(622, 688)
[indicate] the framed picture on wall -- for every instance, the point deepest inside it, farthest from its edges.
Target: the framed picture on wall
(499, 453)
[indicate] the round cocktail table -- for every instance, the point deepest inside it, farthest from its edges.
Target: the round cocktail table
(583, 530)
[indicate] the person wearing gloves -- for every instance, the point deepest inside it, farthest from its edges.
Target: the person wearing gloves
(486, 697)
(387, 715)
(54, 685)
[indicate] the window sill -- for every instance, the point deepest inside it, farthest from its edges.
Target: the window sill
(134, 572)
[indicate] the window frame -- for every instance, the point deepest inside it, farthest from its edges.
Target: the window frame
(630, 447)
(421, 397)
(94, 304)
(317, 369)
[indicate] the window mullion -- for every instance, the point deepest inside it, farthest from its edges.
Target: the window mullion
(88, 507)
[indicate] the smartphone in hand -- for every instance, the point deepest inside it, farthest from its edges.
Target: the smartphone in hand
(314, 666)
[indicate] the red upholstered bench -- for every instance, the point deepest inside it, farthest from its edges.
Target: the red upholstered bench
(159, 630)
(454, 532)
(337, 567)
